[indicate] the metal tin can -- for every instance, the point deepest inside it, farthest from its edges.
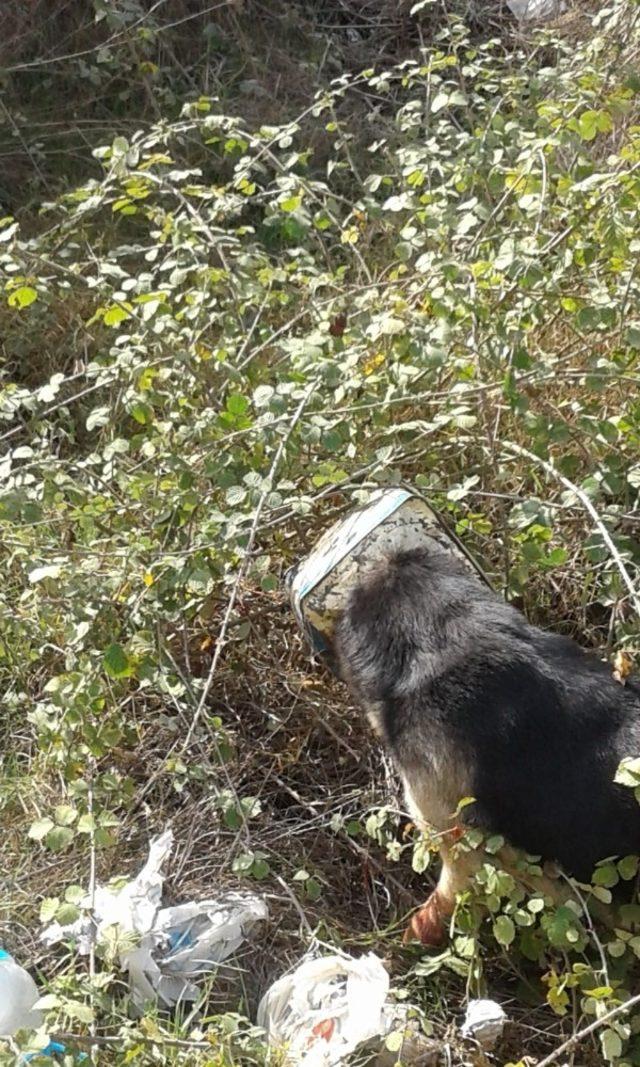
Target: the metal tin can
(394, 520)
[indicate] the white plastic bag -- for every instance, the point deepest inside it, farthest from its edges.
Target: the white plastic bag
(18, 994)
(187, 941)
(325, 1009)
(175, 946)
(484, 1023)
(536, 9)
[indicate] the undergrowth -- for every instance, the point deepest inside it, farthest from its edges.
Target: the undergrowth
(210, 350)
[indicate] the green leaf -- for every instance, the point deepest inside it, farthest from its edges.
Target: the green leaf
(49, 908)
(556, 557)
(429, 965)
(393, 1042)
(40, 829)
(312, 889)
(59, 838)
(237, 404)
(97, 417)
(116, 662)
(53, 570)
(592, 123)
(67, 914)
(22, 297)
(464, 803)
(467, 222)
(86, 824)
(263, 395)
(439, 102)
(633, 336)
(600, 992)
(421, 857)
(142, 413)
(118, 447)
(504, 930)
(611, 1045)
(291, 204)
(104, 838)
(628, 867)
(260, 869)
(47, 1002)
(494, 844)
(48, 392)
(232, 818)
(116, 314)
(606, 876)
(65, 815)
(7, 228)
(235, 495)
(243, 863)
(74, 894)
(82, 1012)
(560, 925)
(602, 894)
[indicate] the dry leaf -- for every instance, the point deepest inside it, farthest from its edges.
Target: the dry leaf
(622, 666)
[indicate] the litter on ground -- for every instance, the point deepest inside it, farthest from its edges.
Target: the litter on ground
(484, 1023)
(536, 9)
(330, 1006)
(325, 1008)
(175, 946)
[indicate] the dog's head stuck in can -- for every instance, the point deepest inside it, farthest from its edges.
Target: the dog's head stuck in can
(394, 520)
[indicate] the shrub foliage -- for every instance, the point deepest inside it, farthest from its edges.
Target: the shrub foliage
(218, 342)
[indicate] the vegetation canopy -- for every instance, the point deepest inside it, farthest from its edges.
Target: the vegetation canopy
(225, 332)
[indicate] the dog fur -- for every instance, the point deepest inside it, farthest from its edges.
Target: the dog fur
(474, 701)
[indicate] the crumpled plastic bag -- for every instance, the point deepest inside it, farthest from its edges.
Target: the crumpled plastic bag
(175, 946)
(536, 9)
(326, 1008)
(484, 1023)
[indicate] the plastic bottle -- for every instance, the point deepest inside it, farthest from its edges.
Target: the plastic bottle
(18, 994)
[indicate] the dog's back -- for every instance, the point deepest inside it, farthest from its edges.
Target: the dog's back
(474, 701)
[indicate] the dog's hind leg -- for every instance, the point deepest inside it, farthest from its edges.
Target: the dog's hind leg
(429, 923)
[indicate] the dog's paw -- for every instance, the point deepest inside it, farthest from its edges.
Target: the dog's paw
(428, 925)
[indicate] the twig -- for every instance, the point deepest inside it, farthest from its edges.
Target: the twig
(543, 194)
(86, 1040)
(240, 361)
(621, 1009)
(588, 506)
(591, 928)
(59, 404)
(92, 889)
(304, 922)
(25, 145)
(244, 565)
(116, 38)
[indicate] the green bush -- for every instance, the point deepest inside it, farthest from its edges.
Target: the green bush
(215, 345)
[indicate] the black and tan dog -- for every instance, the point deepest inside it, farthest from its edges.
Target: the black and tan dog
(473, 701)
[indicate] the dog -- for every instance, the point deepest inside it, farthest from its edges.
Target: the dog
(473, 701)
